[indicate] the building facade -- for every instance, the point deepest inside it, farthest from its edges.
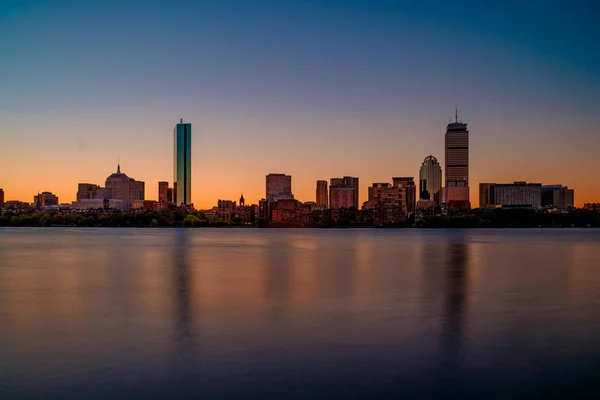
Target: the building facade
(558, 196)
(278, 186)
(1, 197)
(456, 188)
(121, 187)
(322, 198)
(386, 203)
(45, 199)
(225, 210)
(182, 169)
(163, 189)
(430, 180)
(510, 194)
(409, 192)
(341, 196)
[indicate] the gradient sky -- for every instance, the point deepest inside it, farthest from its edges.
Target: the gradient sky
(315, 89)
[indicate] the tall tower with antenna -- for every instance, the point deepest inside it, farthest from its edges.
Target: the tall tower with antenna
(456, 188)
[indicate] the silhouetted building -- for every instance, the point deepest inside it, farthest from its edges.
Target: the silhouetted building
(430, 180)
(278, 186)
(1, 197)
(263, 212)
(90, 191)
(121, 187)
(242, 201)
(163, 188)
(182, 170)
(592, 207)
(170, 194)
(45, 199)
(510, 194)
(558, 196)
(457, 163)
(322, 199)
(246, 213)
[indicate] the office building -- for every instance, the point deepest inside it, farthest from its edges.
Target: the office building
(558, 196)
(1, 197)
(182, 170)
(430, 180)
(170, 194)
(278, 186)
(163, 188)
(510, 194)
(45, 199)
(457, 163)
(121, 187)
(322, 194)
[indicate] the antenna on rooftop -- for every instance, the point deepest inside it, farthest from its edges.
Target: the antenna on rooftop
(456, 113)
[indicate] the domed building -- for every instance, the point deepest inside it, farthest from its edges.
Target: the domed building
(121, 187)
(430, 180)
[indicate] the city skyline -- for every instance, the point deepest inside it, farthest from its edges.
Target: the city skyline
(296, 88)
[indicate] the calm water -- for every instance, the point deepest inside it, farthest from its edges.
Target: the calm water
(286, 314)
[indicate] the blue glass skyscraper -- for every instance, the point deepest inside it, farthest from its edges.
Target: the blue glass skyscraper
(182, 171)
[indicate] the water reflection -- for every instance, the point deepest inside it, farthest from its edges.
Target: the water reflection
(182, 287)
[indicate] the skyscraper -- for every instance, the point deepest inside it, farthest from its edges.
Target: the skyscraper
(1, 197)
(457, 163)
(182, 170)
(322, 193)
(430, 180)
(163, 188)
(279, 186)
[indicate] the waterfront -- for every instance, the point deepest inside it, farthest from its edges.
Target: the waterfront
(271, 314)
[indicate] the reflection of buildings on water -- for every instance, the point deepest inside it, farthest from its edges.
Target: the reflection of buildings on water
(455, 294)
(182, 289)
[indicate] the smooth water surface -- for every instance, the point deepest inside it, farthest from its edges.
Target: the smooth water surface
(299, 313)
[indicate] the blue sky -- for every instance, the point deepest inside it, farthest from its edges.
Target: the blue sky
(312, 88)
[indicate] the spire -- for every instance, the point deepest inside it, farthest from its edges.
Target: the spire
(118, 164)
(456, 113)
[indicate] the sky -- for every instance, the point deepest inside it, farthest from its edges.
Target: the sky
(314, 89)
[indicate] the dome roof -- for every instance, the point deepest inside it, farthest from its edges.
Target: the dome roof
(431, 159)
(118, 176)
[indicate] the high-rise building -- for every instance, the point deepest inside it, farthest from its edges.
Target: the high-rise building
(386, 203)
(45, 199)
(409, 190)
(182, 171)
(170, 195)
(346, 182)
(1, 197)
(457, 162)
(510, 194)
(121, 187)
(279, 186)
(430, 180)
(163, 188)
(558, 196)
(341, 196)
(322, 193)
